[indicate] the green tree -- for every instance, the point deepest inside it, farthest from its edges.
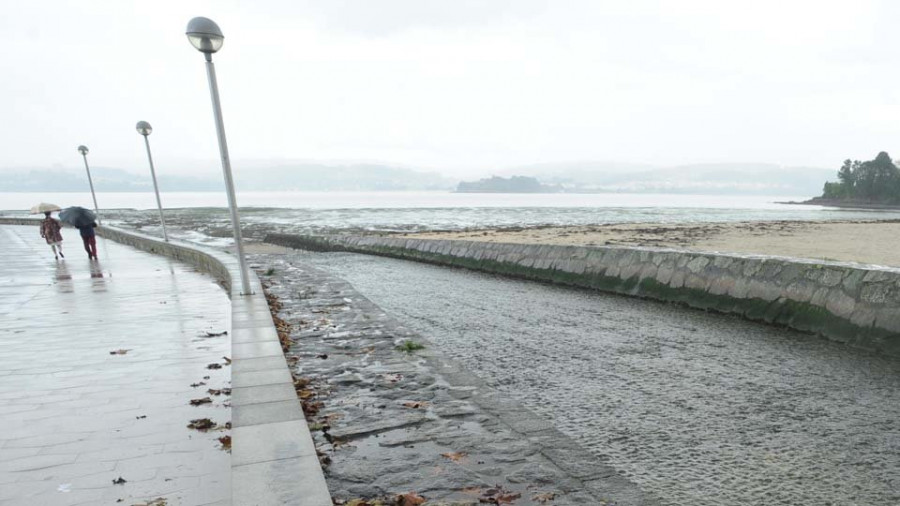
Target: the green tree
(875, 180)
(845, 175)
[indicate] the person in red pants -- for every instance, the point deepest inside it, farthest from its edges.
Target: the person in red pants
(90, 239)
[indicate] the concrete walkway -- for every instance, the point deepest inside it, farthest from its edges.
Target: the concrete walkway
(75, 415)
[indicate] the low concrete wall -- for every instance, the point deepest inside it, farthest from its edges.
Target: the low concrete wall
(852, 303)
(273, 459)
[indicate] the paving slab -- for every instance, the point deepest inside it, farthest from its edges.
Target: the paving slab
(99, 361)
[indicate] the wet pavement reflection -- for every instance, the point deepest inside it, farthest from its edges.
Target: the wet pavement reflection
(99, 361)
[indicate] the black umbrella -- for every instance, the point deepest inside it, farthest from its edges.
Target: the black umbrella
(77, 216)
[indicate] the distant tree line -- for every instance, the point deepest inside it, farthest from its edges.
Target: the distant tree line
(876, 180)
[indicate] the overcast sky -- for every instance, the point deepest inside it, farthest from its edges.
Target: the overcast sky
(460, 86)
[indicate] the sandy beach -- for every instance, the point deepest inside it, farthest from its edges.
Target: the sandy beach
(868, 242)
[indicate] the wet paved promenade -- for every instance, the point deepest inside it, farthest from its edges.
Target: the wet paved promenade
(696, 408)
(75, 417)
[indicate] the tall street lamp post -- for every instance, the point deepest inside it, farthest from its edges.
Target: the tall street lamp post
(84, 151)
(204, 34)
(145, 129)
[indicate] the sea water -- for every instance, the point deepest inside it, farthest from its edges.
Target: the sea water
(399, 211)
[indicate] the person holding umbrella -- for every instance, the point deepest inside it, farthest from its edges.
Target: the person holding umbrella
(85, 221)
(50, 228)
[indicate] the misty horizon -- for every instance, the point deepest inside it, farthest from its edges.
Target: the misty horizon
(463, 88)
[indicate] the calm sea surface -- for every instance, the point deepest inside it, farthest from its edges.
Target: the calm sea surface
(304, 211)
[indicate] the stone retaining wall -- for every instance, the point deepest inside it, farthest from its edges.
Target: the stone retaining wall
(852, 303)
(273, 459)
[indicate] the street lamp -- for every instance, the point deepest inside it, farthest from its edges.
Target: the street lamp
(204, 34)
(145, 129)
(84, 151)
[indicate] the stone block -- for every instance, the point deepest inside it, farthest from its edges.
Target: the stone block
(293, 481)
(874, 293)
(271, 441)
(256, 350)
(257, 364)
(259, 378)
(839, 304)
(254, 335)
(269, 412)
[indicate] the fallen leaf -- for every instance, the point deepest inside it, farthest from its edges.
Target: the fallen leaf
(214, 366)
(119, 352)
(227, 360)
(410, 499)
(141, 417)
(305, 394)
(159, 501)
(119, 481)
(217, 334)
(198, 402)
(498, 496)
(202, 424)
(508, 498)
(415, 404)
(544, 497)
(226, 442)
(219, 391)
(454, 456)
(195, 385)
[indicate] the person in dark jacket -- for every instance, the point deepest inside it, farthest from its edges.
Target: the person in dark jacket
(90, 239)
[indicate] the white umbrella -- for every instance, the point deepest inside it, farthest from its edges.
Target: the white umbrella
(44, 207)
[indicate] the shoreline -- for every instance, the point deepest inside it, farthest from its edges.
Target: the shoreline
(858, 241)
(819, 201)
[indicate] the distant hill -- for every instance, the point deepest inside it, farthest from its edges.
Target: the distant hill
(338, 177)
(105, 179)
(514, 184)
(718, 178)
(284, 176)
(576, 177)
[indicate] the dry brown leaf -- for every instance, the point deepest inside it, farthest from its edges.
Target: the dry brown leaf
(214, 366)
(410, 499)
(227, 360)
(305, 394)
(415, 404)
(507, 498)
(119, 352)
(544, 497)
(202, 424)
(498, 495)
(454, 456)
(226, 442)
(159, 501)
(198, 402)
